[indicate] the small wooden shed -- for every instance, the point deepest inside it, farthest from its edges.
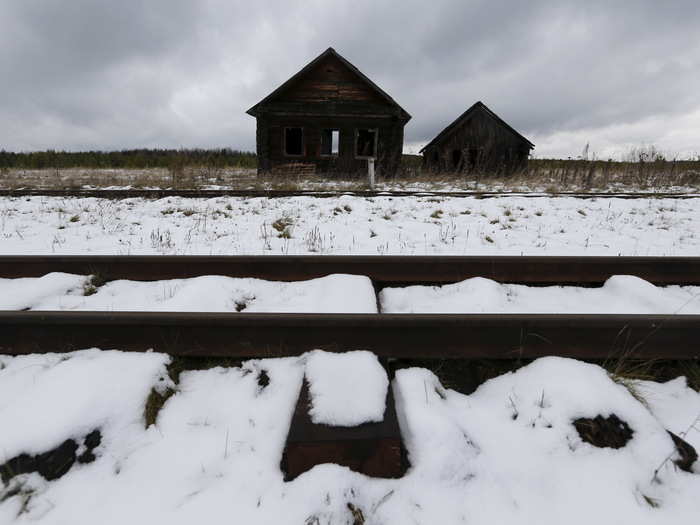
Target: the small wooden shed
(479, 140)
(329, 117)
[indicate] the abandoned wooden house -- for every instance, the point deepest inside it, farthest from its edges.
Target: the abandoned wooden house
(479, 140)
(329, 118)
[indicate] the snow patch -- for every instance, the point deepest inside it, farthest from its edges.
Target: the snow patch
(346, 389)
(27, 292)
(619, 294)
(676, 406)
(337, 293)
(508, 453)
(511, 454)
(46, 399)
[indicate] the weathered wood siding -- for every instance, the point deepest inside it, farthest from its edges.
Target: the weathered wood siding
(329, 96)
(330, 81)
(480, 143)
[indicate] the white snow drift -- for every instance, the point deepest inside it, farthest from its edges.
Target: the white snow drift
(346, 389)
(333, 293)
(508, 453)
(619, 294)
(46, 399)
(675, 405)
(23, 293)
(342, 293)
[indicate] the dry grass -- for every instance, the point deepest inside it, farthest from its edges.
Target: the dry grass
(644, 169)
(176, 177)
(643, 173)
(154, 403)
(554, 176)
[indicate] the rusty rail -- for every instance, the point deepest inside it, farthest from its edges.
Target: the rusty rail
(388, 335)
(383, 270)
(493, 336)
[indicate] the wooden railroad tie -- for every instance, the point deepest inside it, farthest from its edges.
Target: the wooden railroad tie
(372, 449)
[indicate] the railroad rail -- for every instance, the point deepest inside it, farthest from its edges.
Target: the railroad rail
(373, 449)
(445, 336)
(469, 336)
(251, 193)
(384, 270)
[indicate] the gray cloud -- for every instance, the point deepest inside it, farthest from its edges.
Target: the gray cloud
(102, 74)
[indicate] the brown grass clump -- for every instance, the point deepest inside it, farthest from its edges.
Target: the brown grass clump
(154, 403)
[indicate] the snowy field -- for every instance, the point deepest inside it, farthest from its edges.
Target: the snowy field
(340, 293)
(351, 225)
(508, 453)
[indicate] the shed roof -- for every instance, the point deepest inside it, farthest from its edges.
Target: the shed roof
(466, 115)
(329, 52)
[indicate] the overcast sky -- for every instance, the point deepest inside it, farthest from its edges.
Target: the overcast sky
(109, 74)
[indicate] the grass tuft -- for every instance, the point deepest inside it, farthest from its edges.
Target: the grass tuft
(154, 404)
(93, 283)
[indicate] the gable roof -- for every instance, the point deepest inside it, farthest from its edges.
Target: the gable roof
(464, 116)
(329, 52)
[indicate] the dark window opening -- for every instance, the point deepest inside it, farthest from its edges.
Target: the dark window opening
(330, 139)
(457, 159)
(366, 144)
(436, 157)
(293, 141)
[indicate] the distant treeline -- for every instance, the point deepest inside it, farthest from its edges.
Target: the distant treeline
(128, 159)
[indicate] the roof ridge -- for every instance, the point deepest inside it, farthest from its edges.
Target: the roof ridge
(465, 115)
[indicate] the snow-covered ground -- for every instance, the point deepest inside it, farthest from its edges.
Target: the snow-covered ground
(350, 225)
(508, 453)
(61, 291)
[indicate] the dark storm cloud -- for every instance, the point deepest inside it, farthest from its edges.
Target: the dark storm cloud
(547, 66)
(107, 74)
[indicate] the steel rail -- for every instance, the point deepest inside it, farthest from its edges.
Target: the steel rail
(384, 270)
(493, 336)
(212, 193)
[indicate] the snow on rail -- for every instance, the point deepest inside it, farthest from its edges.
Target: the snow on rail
(341, 294)
(59, 291)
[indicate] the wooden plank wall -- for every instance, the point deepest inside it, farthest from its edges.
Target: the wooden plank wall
(498, 148)
(330, 96)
